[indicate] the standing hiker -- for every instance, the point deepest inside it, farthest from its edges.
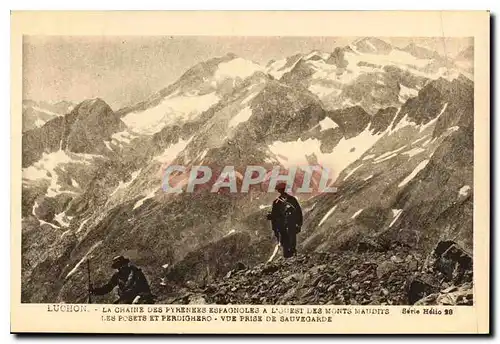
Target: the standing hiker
(286, 220)
(132, 284)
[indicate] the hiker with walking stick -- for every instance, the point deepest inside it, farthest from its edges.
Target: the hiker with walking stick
(133, 287)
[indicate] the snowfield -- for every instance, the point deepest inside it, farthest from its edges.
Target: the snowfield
(170, 111)
(237, 68)
(295, 153)
(50, 164)
(406, 92)
(277, 70)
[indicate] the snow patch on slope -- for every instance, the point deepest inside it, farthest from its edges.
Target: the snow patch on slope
(50, 161)
(433, 121)
(83, 259)
(124, 185)
(42, 222)
(464, 191)
(48, 112)
(396, 213)
(121, 137)
(172, 109)
(412, 175)
(368, 178)
(236, 68)
(63, 220)
(39, 122)
(82, 224)
(295, 153)
(140, 202)
(327, 123)
(356, 214)
(322, 91)
(171, 152)
(242, 116)
(342, 156)
(47, 169)
(352, 171)
(327, 215)
(414, 151)
(249, 97)
(276, 69)
(420, 139)
(406, 92)
(397, 58)
(404, 122)
(388, 155)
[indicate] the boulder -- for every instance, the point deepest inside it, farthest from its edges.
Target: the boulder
(270, 269)
(419, 289)
(462, 295)
(452, 261)
(385, 268)
(354, 273)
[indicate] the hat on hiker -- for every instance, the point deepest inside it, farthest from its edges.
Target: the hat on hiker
(280, 187)
(119, 261)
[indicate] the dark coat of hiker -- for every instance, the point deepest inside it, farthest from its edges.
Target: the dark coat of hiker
(133, 286)
(286, 220)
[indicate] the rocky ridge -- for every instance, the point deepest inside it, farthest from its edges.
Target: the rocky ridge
(369, 276)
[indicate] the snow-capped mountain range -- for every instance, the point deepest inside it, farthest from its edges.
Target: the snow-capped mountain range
(395, 127)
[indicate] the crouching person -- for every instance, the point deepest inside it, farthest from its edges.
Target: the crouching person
(133, 287)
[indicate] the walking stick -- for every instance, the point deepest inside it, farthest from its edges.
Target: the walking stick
(89, 284)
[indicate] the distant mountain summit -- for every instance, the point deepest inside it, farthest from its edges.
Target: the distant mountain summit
(83, 130)
(421, 52)
(372, 45)
(199, 88)
(36, 114)
(466, 55)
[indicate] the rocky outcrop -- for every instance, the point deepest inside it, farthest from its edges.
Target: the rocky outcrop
(446, 277)
(394, 276)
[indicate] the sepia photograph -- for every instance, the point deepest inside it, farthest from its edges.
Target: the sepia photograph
(248, 170)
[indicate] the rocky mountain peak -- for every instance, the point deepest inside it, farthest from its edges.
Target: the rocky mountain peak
(95, 105)
(467, 54)
(372, 45)
(421, 52)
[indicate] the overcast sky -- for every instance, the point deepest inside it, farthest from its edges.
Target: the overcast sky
(126, 70)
